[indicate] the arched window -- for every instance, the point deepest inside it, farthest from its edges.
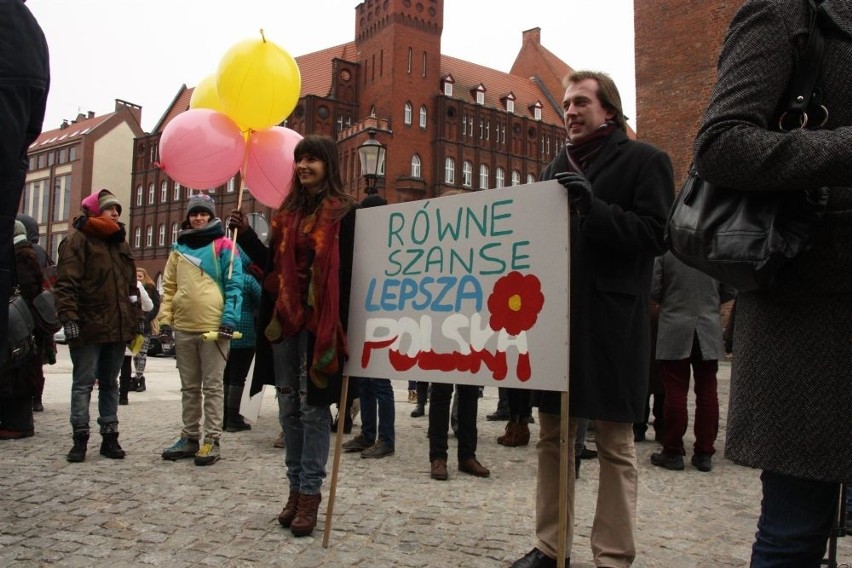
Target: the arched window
(407, 114)
(483, 177)
(530, 178)
(422, 116)
(164, 191)
(176, 192)
(139, 195)
(467, 174)
(500, 177)
(175, 229)
(415, 166)
(161, 235)
(137, 234)
(149, 236)
(516, 177)
(450, 171)
(151, 194)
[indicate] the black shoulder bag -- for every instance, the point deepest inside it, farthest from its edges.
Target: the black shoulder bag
(742, 238)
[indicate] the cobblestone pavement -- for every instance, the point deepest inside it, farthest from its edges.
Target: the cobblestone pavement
(144, 511)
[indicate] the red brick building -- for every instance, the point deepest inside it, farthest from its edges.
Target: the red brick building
(446, 123)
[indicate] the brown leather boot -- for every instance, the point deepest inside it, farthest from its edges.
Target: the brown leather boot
(306, 515)
(522, 433)
(288, 513)
(509, 435)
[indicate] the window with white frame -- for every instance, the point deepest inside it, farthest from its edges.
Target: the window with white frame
(510, 105)
(530, 178)
(480, 97)
(537, 113)
(151, 193)
(516, 177)
(422, 116)
(448, 89)
(499, 177)
(149, 236)
(175, 230)
(481, 129)
(164, 192)
(176, 192)
(410, 57)
(232, 184)
(483, 177)
(415, 166)
(161, 235)
(406, 118)
(137, 237)
(450, 171)
(467, 174)
(139, 195)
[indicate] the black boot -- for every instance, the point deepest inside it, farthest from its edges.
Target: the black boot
(234, 422)
(109, 444)
(140, 384)
(78, 452)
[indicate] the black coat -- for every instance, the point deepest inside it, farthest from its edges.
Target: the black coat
(263, 365)
(612, 256)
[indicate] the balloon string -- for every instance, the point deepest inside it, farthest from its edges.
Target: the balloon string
(239, 202)
(262, 36)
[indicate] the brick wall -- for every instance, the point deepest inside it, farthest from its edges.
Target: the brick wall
(677, 44)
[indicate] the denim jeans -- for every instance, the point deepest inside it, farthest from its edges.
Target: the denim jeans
(307, 429)
(379, 392)
(796, 516)
(101, 362)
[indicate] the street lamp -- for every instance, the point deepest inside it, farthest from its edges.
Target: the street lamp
(372, 155)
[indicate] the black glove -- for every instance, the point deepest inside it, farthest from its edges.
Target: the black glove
(237, 220)
(579, 191)
(226, 332)
(72, 330)
(140, 327)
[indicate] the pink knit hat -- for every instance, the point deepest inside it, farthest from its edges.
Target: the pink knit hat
(97, 202)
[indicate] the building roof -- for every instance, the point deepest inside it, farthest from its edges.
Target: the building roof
(84, 124)
(315, 68)
(468, 76)
(179, 104)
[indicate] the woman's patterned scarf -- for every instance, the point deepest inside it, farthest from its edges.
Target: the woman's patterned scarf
(320, 315)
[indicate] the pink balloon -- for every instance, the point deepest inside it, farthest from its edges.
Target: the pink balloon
(201, 148)
(269, 168)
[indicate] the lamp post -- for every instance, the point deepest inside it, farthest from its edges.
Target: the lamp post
(372, 155)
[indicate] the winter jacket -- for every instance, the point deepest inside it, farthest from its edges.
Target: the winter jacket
(791, 387)
(198, 294)
(251, 302)
(95, 279)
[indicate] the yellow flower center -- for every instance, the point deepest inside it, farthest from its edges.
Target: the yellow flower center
(515, 303)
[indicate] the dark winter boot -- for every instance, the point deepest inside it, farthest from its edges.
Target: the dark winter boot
(288, 513)
(306, 515)
(109, 444)
(140, 384)
(78, 452)
(234, 422)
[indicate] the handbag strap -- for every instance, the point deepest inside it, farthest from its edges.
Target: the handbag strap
(803, 94)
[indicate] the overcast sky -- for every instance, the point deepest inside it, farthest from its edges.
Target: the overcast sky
(142, 51)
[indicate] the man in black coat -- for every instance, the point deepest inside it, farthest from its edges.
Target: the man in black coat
(24, 80)
(620, 192)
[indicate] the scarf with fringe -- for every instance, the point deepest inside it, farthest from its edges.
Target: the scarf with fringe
(308, 291)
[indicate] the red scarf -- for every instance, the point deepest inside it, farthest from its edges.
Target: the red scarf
(317, 233)
(100, 227)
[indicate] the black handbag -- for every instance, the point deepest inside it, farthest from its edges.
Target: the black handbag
(743, 238)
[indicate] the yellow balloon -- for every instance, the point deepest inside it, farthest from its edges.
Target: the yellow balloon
(205, 95)
(258, 84)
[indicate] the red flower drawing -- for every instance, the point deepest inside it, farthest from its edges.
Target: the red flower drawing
(515, 303)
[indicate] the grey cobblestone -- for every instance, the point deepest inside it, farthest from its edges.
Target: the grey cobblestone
(144, 511)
